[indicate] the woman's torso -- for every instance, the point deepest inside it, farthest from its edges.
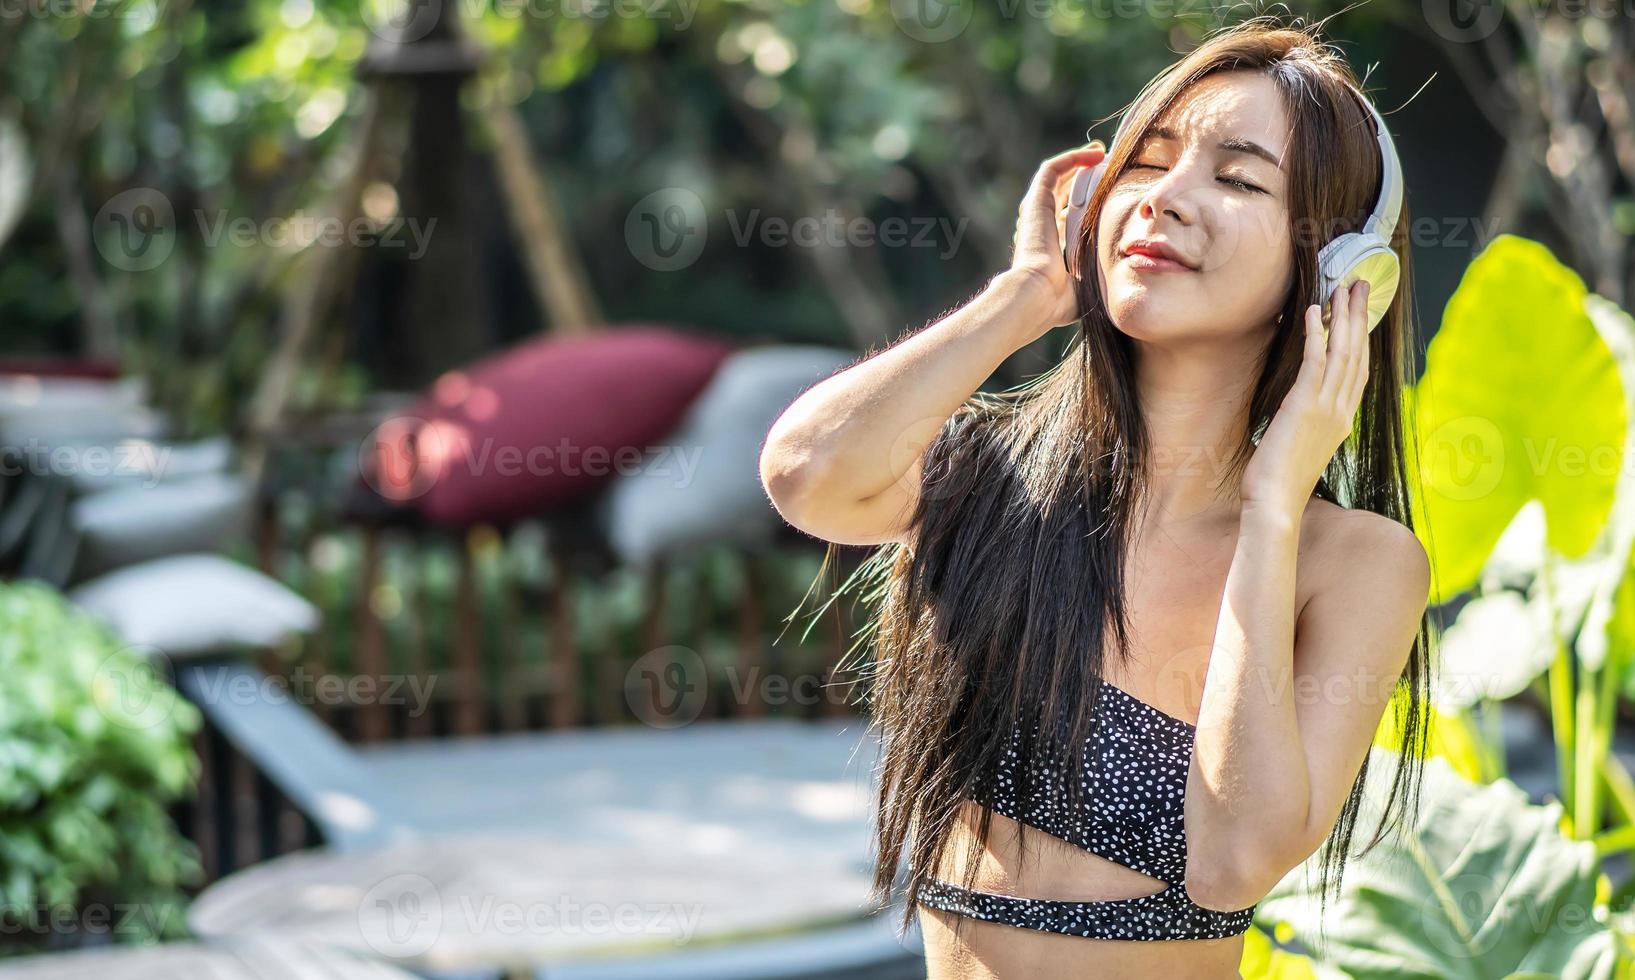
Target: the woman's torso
(1175, 584)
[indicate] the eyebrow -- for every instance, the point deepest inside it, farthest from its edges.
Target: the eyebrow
(1232, 144)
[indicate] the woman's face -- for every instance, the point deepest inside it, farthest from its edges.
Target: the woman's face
(1224, 209)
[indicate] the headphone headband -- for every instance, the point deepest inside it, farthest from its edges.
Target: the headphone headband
(1384, 219)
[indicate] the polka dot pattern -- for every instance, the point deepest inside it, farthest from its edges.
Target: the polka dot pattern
(1134, 784)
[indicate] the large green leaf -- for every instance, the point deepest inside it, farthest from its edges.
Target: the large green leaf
(1520, 400)
(1609, 565)
(1479, 884)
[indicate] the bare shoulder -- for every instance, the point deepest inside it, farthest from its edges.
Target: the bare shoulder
(1359, 549)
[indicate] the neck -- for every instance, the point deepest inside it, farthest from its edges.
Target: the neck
(1195, 402)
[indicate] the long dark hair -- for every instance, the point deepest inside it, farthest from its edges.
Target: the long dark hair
(1029, 495)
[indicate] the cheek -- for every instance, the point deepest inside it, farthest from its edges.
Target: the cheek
(1249, 236)
(1106, 249)
(1256, 267)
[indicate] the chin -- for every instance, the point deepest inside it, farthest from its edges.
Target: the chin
(1143, 316)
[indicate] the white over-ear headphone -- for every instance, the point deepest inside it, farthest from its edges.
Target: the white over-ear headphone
(1364, 254)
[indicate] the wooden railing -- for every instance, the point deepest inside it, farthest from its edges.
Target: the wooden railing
(237, 816)
(429, 633)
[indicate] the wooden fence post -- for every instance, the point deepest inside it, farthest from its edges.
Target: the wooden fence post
(469, 713)
(371, 660)
(564, 651)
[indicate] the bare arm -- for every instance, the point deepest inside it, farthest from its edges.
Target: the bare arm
(1294, 697)
(842, 462)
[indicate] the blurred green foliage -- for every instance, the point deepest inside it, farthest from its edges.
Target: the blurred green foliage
(94, 747)
(767, 109)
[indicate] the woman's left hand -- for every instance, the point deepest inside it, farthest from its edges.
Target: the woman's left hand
(1317, 414)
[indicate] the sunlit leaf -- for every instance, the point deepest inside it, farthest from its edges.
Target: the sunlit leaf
(1520, 400)
(1482, 884)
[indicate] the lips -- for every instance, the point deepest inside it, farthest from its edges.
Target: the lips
(1157, 255)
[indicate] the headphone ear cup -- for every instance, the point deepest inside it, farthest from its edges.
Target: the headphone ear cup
(1383, 272)
(1078, 203)
(1355, 256)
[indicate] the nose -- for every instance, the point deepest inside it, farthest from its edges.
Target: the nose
(1167, 195)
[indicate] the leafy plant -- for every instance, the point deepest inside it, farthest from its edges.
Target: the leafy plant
(1524, 411)
(1528, 509)
(93, 746)
(1484, 884)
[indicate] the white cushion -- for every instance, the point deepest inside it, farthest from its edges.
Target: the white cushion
(30, 392)
(48, 411)
(706, 486)
(90, 465)
(131, 524)
(187, 605)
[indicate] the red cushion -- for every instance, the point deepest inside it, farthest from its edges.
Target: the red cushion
(59, 367)
(516, 434)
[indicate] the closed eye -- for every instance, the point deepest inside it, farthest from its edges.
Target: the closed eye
(1225, 180)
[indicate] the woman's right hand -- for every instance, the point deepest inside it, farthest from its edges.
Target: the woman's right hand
(1040, 220)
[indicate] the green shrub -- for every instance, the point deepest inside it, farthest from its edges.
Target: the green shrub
(94, 746)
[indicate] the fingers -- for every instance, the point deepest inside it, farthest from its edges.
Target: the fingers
(1038, 220)
(1053, 174)
(1333, 367)
(1339, 347)
(1064, 189)
(1063, 183)
(1346, 361)
(1357, 375)
(1316, 353)
(1063, 162)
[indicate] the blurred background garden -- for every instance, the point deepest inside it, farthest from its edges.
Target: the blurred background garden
(338, 618)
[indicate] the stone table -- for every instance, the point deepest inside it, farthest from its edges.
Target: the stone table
(236, 959)
(519, 902)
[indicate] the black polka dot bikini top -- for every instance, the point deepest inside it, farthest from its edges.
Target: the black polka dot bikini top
(1135, 776)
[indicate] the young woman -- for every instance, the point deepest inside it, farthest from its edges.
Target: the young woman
(1147, 611)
